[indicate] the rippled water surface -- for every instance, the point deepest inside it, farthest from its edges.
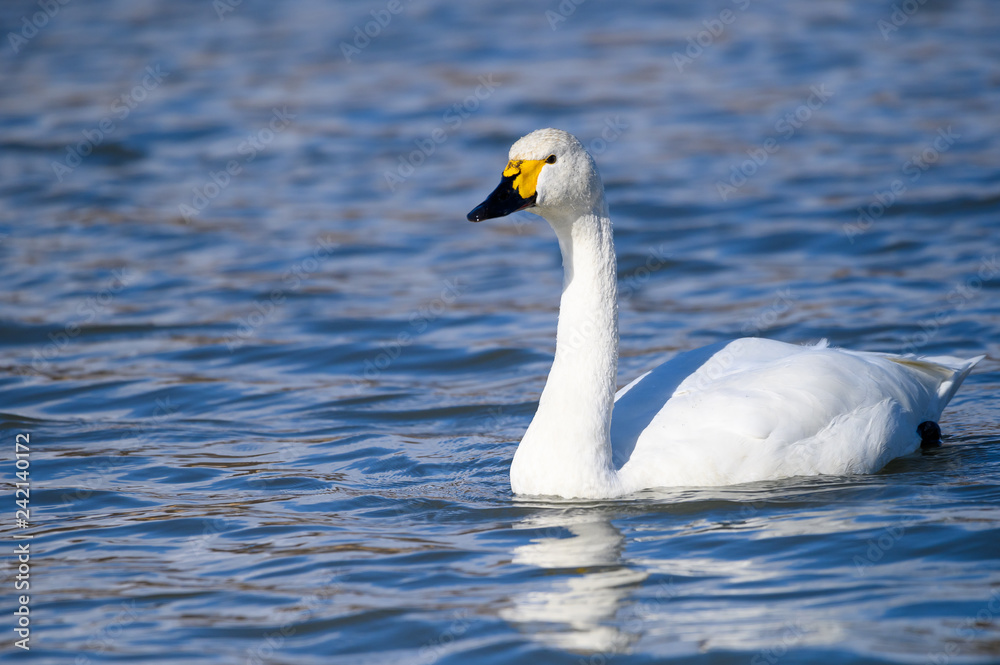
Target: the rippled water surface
(273, 380)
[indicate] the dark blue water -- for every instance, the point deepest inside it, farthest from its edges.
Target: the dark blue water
(273, 380)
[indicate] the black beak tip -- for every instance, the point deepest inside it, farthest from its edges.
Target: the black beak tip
(485, 210)
(503, 201)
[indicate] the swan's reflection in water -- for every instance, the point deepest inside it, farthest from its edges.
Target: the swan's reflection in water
(577, 606)
(720, 578)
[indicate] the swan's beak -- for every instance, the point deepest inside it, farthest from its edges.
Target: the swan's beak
(516, 190)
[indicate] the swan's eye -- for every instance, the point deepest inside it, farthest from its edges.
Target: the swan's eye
(551, 159)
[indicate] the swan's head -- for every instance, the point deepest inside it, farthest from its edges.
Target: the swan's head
(550, 173)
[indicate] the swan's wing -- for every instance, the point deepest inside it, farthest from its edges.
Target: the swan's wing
(753, 408)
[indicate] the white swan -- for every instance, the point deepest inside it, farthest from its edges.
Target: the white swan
(746, 410)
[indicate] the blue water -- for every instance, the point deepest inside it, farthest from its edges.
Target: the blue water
(273, 380)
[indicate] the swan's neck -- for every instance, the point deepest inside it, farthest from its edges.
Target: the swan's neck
(567, 448)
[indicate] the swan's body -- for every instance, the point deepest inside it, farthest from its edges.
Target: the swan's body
(746, 410)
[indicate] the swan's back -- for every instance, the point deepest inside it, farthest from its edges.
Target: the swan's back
(755, 409)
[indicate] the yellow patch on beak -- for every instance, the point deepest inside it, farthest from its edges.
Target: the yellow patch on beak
(526, 175)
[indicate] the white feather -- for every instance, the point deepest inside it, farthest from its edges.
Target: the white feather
(757, 409)
(746, 410)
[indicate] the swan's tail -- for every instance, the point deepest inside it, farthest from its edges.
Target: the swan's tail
(960, 369)
(949, 372)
